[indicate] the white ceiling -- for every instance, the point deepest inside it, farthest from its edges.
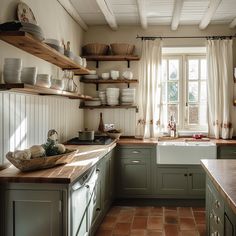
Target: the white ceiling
(156, 12)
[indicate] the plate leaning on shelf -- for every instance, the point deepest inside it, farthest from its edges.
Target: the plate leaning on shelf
(25, 14)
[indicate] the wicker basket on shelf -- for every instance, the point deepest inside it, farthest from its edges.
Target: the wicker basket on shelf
(95, 49)
(122, 49)
(41, 162)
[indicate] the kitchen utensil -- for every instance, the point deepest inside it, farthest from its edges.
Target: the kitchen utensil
(86, 135)
(25, 14)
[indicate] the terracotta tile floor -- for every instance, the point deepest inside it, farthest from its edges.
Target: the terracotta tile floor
(153, 221)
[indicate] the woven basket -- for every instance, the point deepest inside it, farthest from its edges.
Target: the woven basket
(122, 49)
(41, 162)
(95, 49)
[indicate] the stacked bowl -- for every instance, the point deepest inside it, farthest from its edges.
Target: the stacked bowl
(28, 75)
(12, 70)
(128, 96)
(112, 96)
(102, 96)
(54, 43)
(33, 29)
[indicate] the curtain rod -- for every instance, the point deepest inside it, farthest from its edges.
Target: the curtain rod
(185, 37)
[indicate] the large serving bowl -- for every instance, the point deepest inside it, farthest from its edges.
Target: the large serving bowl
(122, 49)
(95, 49)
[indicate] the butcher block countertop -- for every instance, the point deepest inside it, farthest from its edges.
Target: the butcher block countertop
(86, 157)
(223, 175)
(134, 141)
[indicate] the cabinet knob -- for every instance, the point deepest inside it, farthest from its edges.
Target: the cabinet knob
(97, 170)
(217, 219)
(211, 215)
(190, 174)
(98, 209)
(185, 174)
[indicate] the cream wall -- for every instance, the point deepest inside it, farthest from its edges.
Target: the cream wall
(103, 34)
(25, 119)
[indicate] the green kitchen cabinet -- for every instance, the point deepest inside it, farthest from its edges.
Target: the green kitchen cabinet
(226, 152)
(29, 212)
(180, 181)
(220, 219)
(134, 166)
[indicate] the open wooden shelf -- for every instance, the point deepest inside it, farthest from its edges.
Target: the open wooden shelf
(28, 43)
(30, 89)
(109, 107)
(127, 58)
(108, 81)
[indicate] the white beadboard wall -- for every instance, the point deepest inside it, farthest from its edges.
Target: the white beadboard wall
(123, 119)
(25, 120)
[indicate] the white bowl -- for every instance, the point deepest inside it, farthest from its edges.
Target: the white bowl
(52, 41)
(28, 75)
(115, 90)
(92, 103)
(11, 79)
(106, 75)
(43, 80)
(92, 72)
(13, 61)
(91, 76)
(128, 75)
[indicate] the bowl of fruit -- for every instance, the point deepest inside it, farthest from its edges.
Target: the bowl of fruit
(114, 133)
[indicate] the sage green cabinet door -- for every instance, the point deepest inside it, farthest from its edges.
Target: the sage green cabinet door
(228, 227)
(34, 213)
(135, 176)
(196, 182)
(172, 181)
(226, 152)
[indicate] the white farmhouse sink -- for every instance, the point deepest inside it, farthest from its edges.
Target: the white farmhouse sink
(185, 152)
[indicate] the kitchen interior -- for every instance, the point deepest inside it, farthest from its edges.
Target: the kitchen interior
(117, 117)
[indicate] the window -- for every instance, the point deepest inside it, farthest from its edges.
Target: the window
(184, 91)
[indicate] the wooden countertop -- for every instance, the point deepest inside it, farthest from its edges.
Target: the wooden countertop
(223, 175)
(134, 141)
(86, 157)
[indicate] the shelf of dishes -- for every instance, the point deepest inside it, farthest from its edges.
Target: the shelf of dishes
(27, 42)
(34, 89)
(82, 106)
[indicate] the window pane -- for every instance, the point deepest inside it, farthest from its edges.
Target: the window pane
(173, 93)
(173, 111)
(193, 69)
(173, 69)
(193, 114)
(203, 92)
(164, 70)
(203, 113)
(193, 91)
(203, 69)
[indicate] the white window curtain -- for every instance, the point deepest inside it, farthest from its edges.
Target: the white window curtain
(220, 87)
(149, 89)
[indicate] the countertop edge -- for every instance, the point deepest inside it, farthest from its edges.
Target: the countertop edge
(218, 186)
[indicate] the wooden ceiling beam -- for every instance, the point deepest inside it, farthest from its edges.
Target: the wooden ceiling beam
(142, 13)
(108, 13)
(67, 5)
(176, 14)
(214, 4)
(233, 23)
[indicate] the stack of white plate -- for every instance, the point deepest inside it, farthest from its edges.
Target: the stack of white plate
(33, 29)
(54, 43)
(127, 96)
(102, 96)
(93, 103)
(12, 70)
(28, 75)
(91, 76)
(112, 96)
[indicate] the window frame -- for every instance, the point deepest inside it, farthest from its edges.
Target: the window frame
(183, 89)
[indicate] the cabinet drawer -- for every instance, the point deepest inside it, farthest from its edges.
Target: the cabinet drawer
(134, 152)
(227, 152)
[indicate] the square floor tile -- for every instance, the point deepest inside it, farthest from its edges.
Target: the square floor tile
(122, 229)
(155, 222)
(171, 230)
(187, 224)
(185, 212)
(140, 222)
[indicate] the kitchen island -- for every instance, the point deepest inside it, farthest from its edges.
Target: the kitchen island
(69, 199)
(220, 197)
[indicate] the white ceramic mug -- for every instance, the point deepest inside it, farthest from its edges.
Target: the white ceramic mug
(115, 74)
